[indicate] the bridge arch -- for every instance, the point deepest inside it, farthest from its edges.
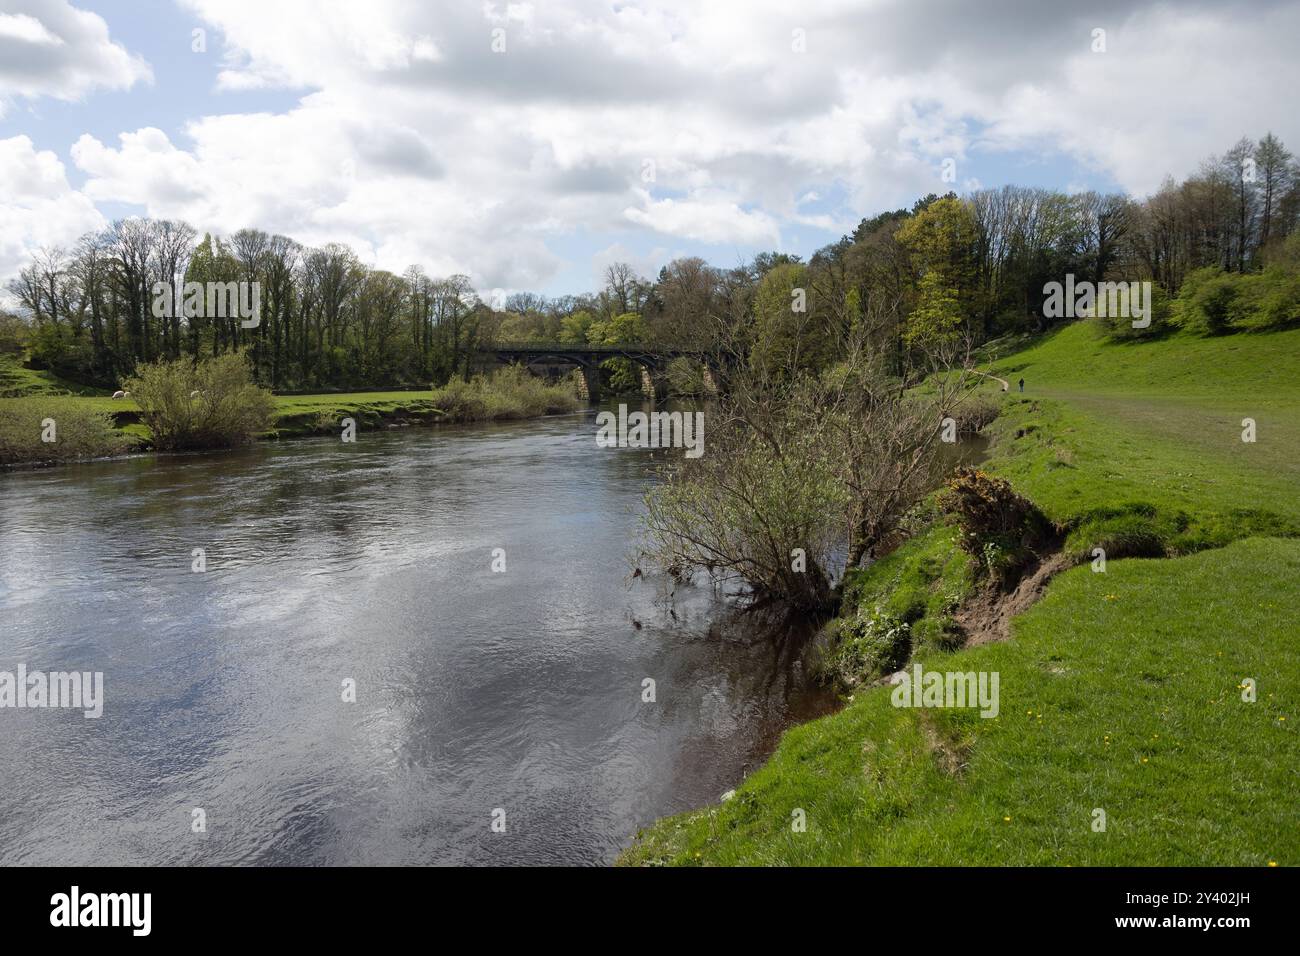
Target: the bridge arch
(652, 360)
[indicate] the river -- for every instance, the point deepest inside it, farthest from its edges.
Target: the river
(481, 695)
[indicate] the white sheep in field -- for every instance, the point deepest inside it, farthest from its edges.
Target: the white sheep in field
(121, 394)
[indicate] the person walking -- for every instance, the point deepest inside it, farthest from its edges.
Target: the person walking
(1022, 385)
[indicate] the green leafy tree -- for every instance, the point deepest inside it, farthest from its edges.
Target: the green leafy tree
(941, 240)
(575, 325)
(628, 328)
(790, 333)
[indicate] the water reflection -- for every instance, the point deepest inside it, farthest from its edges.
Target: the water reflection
(475, 690)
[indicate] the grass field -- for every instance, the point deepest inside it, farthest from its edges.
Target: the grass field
(1153, 450)
(1121, 691)
(296, 414)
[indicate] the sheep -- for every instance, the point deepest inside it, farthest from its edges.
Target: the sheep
(120, 394)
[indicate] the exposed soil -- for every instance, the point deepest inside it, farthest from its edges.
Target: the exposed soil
(986, 617)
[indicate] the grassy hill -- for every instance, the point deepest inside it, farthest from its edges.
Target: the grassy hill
(1141, 443)
(18, 381)
(1120, 691)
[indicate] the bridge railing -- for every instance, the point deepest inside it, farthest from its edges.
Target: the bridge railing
(561, 347)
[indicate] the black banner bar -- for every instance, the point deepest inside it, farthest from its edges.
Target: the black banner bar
(333, 905)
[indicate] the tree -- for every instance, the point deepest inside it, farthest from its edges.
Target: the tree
(1277, 176)
(624, 290)
(686, 303)
(625, 329)
(456, 324)
(789, 335)
(796, 471)
(1238, 172)
(90, 265)
(132, 252)
(575, 327)
(173, 245)
(941, 240)
(281, 260)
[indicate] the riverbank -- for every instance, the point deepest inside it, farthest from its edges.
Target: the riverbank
(1124, 733)
(508, 397)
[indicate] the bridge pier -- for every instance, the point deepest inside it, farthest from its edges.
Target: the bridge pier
(589, 383)
(651, 359)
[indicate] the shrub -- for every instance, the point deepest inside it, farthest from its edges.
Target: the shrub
(1205, 302)
(1273, 299)
(1162, 313)
(511, 393)
(80, 430)
(975, 413)
(870, 646)
(997, 526)
(763, 506)
(1214, 302)
(229, 409)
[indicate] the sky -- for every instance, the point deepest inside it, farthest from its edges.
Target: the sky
(528, 145)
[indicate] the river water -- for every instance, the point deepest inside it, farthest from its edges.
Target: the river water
(481, 696)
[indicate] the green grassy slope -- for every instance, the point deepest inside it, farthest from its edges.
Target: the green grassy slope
(1077, 357)
(1140, 445)
(1119, 691)
(17, 381)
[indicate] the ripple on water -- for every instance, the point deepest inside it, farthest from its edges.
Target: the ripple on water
(372, 564)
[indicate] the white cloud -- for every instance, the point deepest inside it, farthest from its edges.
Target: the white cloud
(38, 207)
(24, 29)
(146, 169)
(413, 141)
(50, 48)
(1172, 87)
(704, 220)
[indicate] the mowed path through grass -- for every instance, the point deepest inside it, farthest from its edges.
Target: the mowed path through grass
(1102, 425)
(1201, 428)
(1195, 391)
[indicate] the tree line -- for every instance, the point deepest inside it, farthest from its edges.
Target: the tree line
(949, 266)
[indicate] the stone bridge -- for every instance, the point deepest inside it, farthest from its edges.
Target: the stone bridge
(653, 360)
